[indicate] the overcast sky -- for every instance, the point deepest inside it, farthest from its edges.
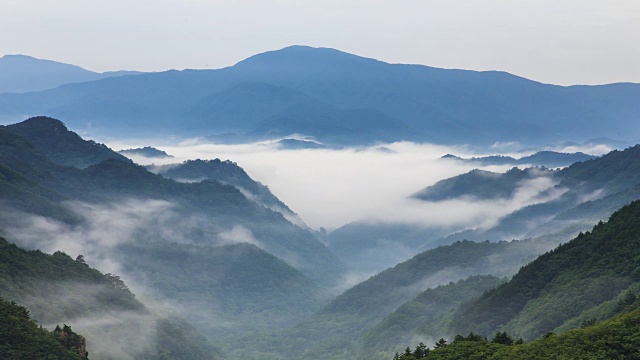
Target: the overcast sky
(553, 41)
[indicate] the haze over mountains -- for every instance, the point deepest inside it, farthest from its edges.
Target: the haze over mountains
(21, 73)
(338, 98)
(188, 256)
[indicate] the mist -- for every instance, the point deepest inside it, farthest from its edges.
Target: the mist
(332, 187)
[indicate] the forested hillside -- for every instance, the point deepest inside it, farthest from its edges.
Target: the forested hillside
(421, 319)
(21, 338)
(582, 279)
(120, 215)
(56, 289)
(617, 338)
(347, 326)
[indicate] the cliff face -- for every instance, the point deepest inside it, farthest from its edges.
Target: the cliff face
(72, 341)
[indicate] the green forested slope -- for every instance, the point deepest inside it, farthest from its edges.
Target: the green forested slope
(614, 339)
(57, 289)
(45, 184)
(422, 318)
(576, 279)
(86, 211)
(336, 331)
(21, 338)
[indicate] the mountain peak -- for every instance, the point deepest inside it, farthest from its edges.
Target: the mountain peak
(61, 145)
(43, 123)
(17, 57)
(305, 58)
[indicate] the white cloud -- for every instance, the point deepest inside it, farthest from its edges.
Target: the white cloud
(329, 188)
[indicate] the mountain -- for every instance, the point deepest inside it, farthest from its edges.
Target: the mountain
(56, 289)
(21, 74)
(33, 341)
(222, 260)
(226, 172)
(51, 137)
(482, 184)
(114, 180)
(550, 159)
(589, 191)
(146, 151)
(299, 144)
(338, 330)
(411, 322)
(338, 98)
(616, 338)
(558, 203)
(582, 279)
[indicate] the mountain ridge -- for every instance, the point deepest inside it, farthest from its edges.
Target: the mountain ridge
(437, 105)
(23, 73)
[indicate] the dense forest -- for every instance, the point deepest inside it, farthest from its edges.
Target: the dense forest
(21, 338)
(59, 289)
(583, 282)
(617, 338)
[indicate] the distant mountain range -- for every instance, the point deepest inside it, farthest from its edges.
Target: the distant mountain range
(146, 151)
(579, 195)
(541, 158)
(21, 74)
(338, 98)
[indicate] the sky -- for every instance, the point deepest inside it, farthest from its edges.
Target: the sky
(561, 42)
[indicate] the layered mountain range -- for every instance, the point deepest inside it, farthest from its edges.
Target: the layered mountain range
(21, 74)
(221, 268)
(337, 98)
(558, 203)
(226, 262)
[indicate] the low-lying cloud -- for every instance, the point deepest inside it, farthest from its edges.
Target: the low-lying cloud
(329, 188)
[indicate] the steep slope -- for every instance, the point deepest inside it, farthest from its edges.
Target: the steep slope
(146, 151)
(481, 184)
(226, 172)
(335, 332)
(591, 191)
(612, 339)
(21, 73)
(230, 293)
(281, 92)
(230, 265)
(561, 204)
(21, 338)
(584, 277)
(57, 289)
(64, 147)
(413, 322)
(113, 180)
(33, 278)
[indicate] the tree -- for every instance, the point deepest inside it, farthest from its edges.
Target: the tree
(421, 351)
(440, 343)
(502, 338)
(81, 260)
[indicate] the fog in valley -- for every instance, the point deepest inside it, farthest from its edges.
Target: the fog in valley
(331, 187)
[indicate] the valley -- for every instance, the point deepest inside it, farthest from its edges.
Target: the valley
(307, 204)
